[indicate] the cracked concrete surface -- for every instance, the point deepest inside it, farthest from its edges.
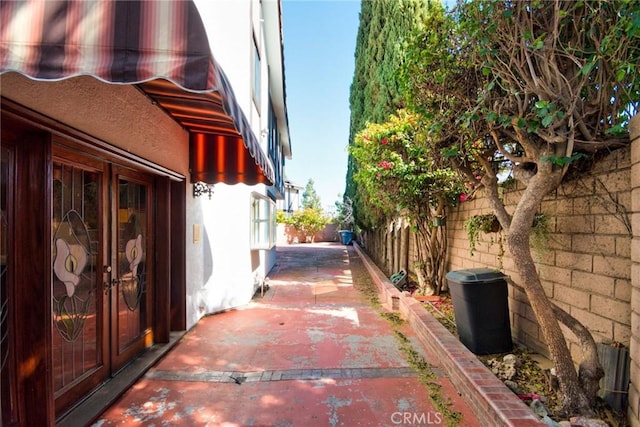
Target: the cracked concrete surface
(310, 352)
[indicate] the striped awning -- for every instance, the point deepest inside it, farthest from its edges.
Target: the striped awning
(162, 47)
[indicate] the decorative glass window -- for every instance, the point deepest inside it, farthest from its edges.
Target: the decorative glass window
(263, 222)
(255, 84)
(77, 299)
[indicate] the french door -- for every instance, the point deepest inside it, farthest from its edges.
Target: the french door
(102, 281)
(130, 263)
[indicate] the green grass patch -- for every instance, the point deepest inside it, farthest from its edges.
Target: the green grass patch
(394, 318)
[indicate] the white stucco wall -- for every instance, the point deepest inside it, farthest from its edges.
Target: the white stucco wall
(226, 271)
(226, 222)
(235, 268)
(228, 26)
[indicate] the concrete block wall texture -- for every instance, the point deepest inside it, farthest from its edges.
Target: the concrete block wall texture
(590, 265)
(634, 350)
(584, 264)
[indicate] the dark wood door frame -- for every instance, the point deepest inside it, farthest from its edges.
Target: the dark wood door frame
(178, 212)
(33, 231)
(95, 375)
(8, 366)
(120, 355)
(162, 307)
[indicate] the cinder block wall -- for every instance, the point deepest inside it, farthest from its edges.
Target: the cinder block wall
(585, 265)
(590, 266)
(634, 389)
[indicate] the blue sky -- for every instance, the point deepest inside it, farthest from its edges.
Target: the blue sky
(319, 46)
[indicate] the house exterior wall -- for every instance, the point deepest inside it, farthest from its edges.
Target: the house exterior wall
(229, 271)
(228, 26)
(222, 271)
(124, 132)
(122, 116)
(100, 110)
(230, 29)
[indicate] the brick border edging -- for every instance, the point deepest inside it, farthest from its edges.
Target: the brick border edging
(489, 399)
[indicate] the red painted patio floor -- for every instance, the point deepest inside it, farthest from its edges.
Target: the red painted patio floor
(310, 352)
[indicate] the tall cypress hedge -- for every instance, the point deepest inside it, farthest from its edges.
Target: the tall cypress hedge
(385, 26)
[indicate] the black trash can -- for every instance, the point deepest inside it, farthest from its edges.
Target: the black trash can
(481, 308)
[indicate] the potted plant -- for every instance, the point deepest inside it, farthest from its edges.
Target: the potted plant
(487, 223)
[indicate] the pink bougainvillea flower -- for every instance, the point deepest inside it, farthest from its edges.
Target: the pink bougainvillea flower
(384, 164)
(463, 197)
(384, 141)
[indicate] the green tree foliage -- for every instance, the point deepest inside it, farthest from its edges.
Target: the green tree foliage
(308, 221)
(310, 198)
(531, 87)
(400, 174)
(398, 171)
(281, 217)
(375, 91)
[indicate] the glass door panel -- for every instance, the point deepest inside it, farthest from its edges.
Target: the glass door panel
(131, 293)
(77, 298)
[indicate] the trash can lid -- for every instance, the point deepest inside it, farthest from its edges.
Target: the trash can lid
(474, 275)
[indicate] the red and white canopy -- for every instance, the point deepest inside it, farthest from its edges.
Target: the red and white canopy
(162, 47)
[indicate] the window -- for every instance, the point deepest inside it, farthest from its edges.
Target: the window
(263, 222)
(256, 75)
(275, 150)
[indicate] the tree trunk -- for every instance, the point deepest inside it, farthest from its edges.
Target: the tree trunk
(590, 370)
(575, 400)
(404, 247)
(423, 263)
(437, 256)
(431, 245)
(518, 232)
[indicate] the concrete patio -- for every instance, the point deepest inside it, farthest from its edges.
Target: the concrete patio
(311, 351)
